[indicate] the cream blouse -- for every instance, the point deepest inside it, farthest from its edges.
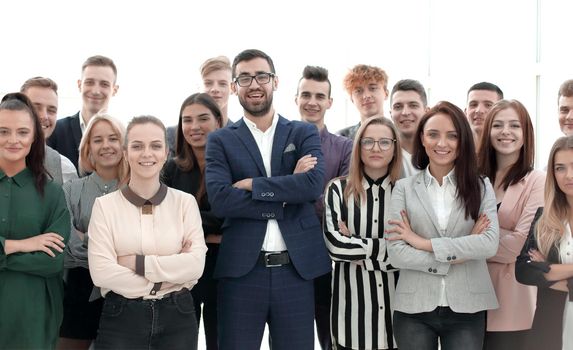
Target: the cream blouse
(122, 223)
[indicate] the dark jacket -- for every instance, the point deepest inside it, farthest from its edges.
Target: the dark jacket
(547, 328)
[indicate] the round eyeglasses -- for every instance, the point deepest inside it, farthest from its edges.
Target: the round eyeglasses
(367, 143)
(247, 80)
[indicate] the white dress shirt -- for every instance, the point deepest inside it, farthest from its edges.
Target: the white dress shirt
(274, 241)
(443, 199)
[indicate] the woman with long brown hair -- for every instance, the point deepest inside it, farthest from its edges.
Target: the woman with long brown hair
(546, 260)
(506, 157)
(442, 228)
(199, 115)
(34, 228)
(356, 207)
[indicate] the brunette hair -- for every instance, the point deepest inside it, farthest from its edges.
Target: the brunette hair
(39, 82)
(86, 164)
(410, 85)
(487, 155)
(185, 157)
(484, 85)
(17, 101)
(356, 169)
(468, 182)
(251, 54)
(100, 61)
(550, 227)
(566, 89)
(315, 73)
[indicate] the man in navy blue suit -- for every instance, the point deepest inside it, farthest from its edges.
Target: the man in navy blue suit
(263, 175)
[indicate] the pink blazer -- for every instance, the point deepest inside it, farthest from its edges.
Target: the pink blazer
(516, 301)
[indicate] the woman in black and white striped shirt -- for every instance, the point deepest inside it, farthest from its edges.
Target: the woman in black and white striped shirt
(363, 282)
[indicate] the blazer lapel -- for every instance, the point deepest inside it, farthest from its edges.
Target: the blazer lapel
(76, 129)
(282, 133)
(455, 215)
(425, 201)
(249, 141)
(510, 204)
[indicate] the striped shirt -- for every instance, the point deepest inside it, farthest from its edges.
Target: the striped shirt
(363, 282)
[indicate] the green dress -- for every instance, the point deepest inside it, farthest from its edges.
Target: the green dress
(31, 287)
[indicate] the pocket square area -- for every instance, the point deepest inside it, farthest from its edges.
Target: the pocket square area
(290, 148)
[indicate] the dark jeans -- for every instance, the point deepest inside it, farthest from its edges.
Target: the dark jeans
(205, 297)
(168, 323)
(455, 331)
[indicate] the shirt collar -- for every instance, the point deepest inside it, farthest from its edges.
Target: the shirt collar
(253, 126)
(136, 200)
(21, 179)
(82, 124)
(367, 182)
(101, 183)
(429, 178)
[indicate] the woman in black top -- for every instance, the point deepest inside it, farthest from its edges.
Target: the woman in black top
(546, 260)
(199, 116)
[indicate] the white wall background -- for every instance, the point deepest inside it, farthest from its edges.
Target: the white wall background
(521, 45)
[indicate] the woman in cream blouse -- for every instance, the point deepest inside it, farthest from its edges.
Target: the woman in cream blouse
(146, 251)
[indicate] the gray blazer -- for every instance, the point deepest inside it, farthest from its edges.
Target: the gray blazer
(468, 284)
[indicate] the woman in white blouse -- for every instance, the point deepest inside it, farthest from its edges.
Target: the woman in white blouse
(356, 207)
(443, 226)
(146, 251)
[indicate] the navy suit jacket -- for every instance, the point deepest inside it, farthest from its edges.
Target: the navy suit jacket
(66, 138)
(232, 155)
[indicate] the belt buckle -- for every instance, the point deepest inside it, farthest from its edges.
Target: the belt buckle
(267, 256)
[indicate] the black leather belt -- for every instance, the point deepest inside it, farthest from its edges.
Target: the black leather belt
(165, 298)
(274, 259)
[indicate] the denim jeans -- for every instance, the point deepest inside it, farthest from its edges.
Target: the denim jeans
(167, 323)
(455, 331)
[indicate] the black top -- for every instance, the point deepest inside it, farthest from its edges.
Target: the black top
(546, 331)
(189, 182)
(66, 138)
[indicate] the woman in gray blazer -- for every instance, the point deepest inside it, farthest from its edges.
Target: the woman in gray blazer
(442, 228)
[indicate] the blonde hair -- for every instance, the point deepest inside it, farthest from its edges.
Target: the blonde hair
(356, 170)
(86, 164)
(214, 64)
(551, 228)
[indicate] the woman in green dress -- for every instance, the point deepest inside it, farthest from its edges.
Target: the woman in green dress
(34, 227)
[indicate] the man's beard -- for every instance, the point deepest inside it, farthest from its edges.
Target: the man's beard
(258, 110)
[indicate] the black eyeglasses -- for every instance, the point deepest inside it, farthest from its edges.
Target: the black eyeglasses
(247, 80)
(384, 143)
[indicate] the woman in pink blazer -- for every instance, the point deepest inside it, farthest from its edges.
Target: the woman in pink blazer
(506, 157)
